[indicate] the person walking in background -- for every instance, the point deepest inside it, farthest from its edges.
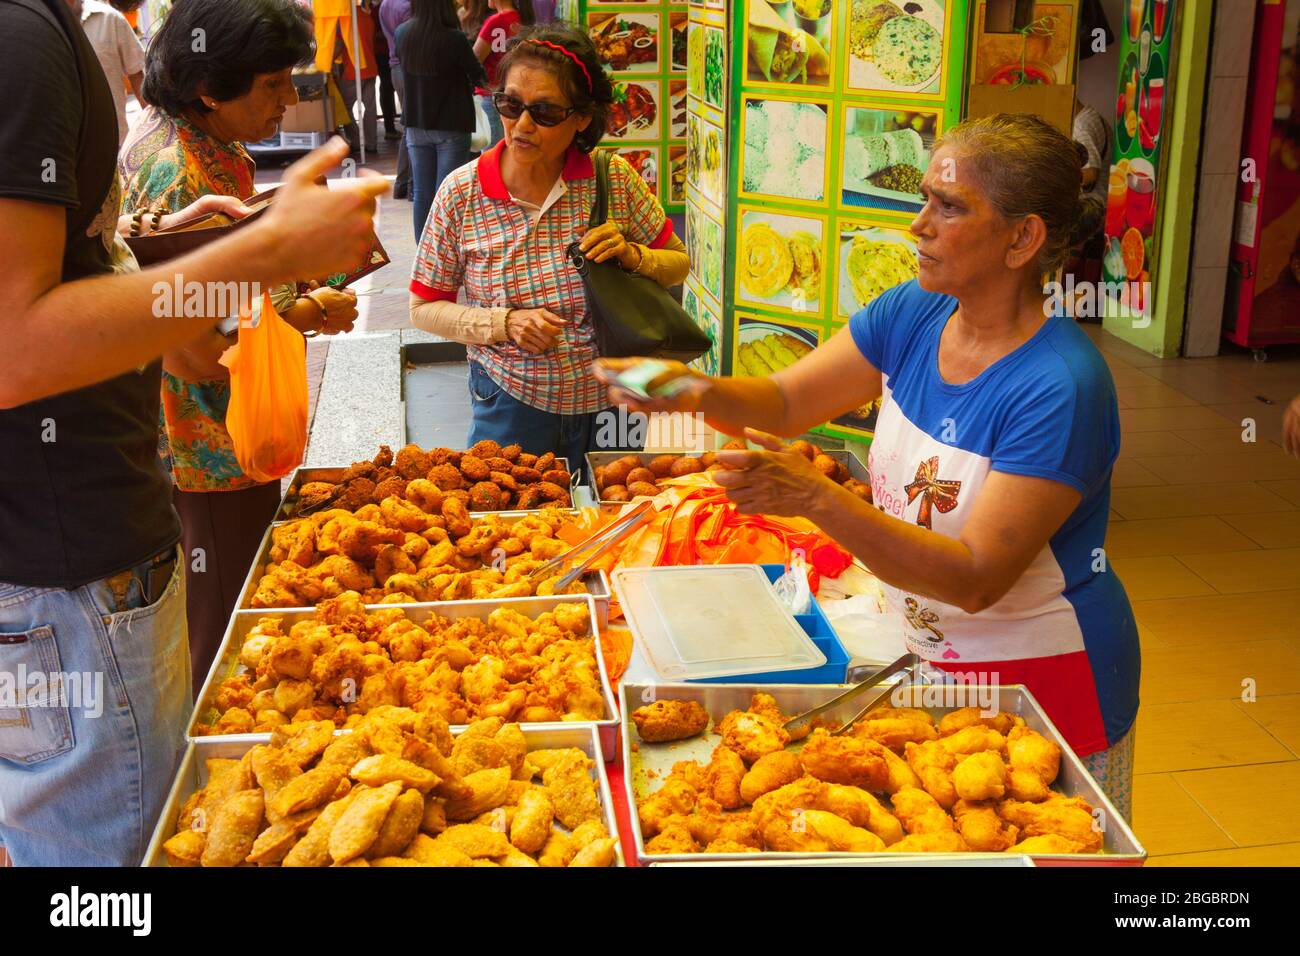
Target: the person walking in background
(439, 72)
(392, 14)
(1090, 131)
(490, 46)
(471, 13)
(387, 92)
(347, 77)
(188, 144)
(119, 53)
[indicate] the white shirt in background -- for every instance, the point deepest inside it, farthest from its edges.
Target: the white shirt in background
(118, 50)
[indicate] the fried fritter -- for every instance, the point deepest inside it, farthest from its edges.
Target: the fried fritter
(665, 720)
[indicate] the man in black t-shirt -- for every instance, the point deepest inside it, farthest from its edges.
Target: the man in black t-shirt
(94, 671)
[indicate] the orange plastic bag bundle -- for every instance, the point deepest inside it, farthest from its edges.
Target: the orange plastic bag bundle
(267, 417)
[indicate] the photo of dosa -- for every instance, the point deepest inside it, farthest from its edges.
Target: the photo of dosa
(896, 47)
(871, 259)
(781, 261)
(764, 347)
(789, 48)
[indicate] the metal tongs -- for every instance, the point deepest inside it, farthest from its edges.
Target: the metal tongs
(908, 663)
(599, 543)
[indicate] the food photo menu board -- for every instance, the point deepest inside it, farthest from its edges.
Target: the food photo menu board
(835, 110)
(704, 161)
(1133, 191)
(643, 47)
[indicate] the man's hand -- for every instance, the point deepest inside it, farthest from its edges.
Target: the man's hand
(313, 230)
(533, 330)
(340, 307)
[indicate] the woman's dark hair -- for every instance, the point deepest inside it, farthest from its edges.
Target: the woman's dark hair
(429, 18)
(1026, 167)
(526, 13)
(220, 46)
(593, 101)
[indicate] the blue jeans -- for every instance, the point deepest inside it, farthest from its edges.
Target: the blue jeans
(494, 120)
(499, 416)
(83, 779)
(434, 153)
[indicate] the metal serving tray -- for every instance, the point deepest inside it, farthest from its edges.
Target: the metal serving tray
(1120, 847)
(597, 583)
(227, 660)
(333, 473)
(597, 459)
(1002, 860)
(193, 775)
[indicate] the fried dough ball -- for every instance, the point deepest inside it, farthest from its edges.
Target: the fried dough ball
(662, 465)
(616, 472)
(557, 476)
(412, 462)
(552, 492)
(387, 488)
(511, 452)
(545, 462)
(859, 488)
(638, 489)
(504, 481)
(708, 459)
(446, 476)
(805, 448)
(525, 459)
(485, 496)
(598, 476)
(530, 497)
(459, 494)
(640, 475)
(486, 448)
(497, 463)
(355, 494)
(827, 465)
(616, 493)
(525, 475)
(736, 444)
(474, 468)
(685, 466)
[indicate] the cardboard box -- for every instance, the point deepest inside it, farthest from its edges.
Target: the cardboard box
(1054, 103)
(309, 116)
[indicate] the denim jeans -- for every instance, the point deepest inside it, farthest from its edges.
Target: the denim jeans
(499, 416)
(494, 120)
(434, 154)
(83, 779)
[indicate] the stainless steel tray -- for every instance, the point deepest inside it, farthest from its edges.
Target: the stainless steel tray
(597, 459)
(597, 582)
(193, 774)
(227, 660)
(1003, 860)
(1120, 847)
(332, 473)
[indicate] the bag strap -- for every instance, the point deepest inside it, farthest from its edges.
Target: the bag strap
(600, 208)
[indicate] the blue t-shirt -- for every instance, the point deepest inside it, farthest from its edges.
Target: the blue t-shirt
(1046, 410)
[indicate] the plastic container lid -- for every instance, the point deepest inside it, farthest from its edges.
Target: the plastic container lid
(712, 621)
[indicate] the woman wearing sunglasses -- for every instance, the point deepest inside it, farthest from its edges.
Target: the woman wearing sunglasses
(498, 229)
(439, 71)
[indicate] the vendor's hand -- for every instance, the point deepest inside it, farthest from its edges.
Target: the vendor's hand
(687, 402)
(533, 330)
(340, 307)
(1291, 427)
(204, 206)
(606, 242)
(774, 481)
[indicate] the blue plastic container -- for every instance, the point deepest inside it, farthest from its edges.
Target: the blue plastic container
(818, 627)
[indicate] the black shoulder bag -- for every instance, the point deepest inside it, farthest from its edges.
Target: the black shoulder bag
(633, 315)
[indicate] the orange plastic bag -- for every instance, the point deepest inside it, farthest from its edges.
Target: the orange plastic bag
(267, 417)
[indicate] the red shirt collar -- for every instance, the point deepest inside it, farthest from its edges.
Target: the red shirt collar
(577, 165)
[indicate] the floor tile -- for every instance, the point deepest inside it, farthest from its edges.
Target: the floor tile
(1278, 854)
(1130, 377)
(1151, 444)
(1217, 498)
(1158, 577)
(1244, 801)
(1208, 385)
(1267, 418)
(1289, 489)
(1207, 733)
(1221, 618)
(1167, 820)
(1149, 537)
(1229, 438)
(1218, 672)
(1245, 571)
(1279, 529)
(1258, 464)
(1129, 473)
(1279, 715)
(1167, 419)
(1153, 396)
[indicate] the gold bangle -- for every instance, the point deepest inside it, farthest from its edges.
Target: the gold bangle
(324, 314)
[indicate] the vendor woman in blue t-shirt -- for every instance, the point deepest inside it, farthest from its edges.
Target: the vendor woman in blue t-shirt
(997, 432)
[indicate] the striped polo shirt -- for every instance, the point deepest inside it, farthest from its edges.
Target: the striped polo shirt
(478, 237)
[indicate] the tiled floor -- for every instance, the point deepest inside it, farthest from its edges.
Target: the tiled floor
(1205, 533)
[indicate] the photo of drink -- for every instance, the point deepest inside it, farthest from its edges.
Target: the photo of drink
(1116, 194)
(1135, 8)
(1159, 18)
(1139, 204)
(1150, 105)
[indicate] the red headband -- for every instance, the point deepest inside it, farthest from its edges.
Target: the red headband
(571, 55)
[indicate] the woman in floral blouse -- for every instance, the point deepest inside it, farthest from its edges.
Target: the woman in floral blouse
(187, 145)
